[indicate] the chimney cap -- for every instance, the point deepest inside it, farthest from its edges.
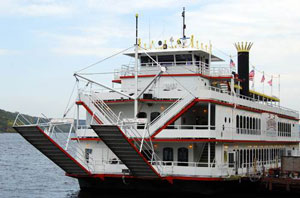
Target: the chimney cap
(243, 47)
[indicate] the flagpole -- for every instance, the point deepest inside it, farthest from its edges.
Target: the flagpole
(253, 78)
(272, 85)
(264, 83)
(279, 89)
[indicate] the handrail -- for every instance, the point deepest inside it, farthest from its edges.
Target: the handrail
(54, 131)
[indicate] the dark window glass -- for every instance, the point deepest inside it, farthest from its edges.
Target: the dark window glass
(183, 156)
(183, 58)
(166, 59)
(154, 115)
(168, 154)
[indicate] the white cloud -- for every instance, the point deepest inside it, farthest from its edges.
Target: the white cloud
(36, 8)
(132, 6)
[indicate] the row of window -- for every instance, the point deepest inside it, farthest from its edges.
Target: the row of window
(182, 156)
(248, 125)
(284, 129)
(243, 158)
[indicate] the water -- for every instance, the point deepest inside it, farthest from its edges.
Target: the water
(25, 172)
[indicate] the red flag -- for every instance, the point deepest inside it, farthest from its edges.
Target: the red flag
(232, 64)
(270, 82)
(263, 78)
(251, 75)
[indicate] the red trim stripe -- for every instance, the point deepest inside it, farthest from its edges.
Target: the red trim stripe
(139, 153)
(178, 75)
(62, 150)
(117, 81)
(246, 108)
(89, 111)
(169, 178)
(218, 140)
(174, 118)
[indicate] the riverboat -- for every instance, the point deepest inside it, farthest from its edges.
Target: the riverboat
(178, 121)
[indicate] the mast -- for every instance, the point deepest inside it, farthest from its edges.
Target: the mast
(183, 26)
(136, 67)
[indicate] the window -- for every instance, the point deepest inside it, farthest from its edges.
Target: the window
(231, 160)
(168, 155)
(212, 116)
(183, 156)
(141, 115)
(184, 59)
(154, 115)
(87, 154)
(237, 123)
(146, 61)
(166, 60)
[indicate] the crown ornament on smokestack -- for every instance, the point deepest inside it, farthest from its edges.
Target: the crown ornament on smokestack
(243, 65)
(241, 47)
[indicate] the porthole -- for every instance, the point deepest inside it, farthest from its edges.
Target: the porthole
(229, 120)
(225, 119)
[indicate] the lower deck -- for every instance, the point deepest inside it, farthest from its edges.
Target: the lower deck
(195, 159)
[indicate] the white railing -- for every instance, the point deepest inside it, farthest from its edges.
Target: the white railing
(170, 111)
(142, 145)
(129, 129)
(61, 133)
(197, 66)
(190, 127)
(244, 131)
(103, 108)
(215, 89)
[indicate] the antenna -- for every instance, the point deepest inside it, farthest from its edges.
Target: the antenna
(184, 26)
(136, 67)
(136, 29)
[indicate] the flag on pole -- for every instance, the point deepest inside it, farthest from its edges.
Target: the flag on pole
(232, 64)
(263, 78)
(270, 82)
(251, 75)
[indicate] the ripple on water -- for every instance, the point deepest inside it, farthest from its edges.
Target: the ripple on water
(25, 172)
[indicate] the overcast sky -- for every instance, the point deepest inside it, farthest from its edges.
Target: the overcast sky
(43, 42)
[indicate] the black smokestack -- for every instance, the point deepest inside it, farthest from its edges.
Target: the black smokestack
(243, 65)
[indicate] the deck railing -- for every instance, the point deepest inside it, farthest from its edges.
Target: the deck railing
(60, 131)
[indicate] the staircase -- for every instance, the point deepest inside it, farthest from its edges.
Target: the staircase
(98, 109)
(204, 156)
(46, 145)
(171, 114)
(124, 141)
(127, 150)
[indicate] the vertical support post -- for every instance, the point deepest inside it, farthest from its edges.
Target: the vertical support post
(209, 57)
(136, 69)
(69, 136)
(279, 89)
(208, 150)
(209, 115)
(77, 121)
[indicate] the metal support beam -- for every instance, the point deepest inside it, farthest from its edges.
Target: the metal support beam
(101, 85)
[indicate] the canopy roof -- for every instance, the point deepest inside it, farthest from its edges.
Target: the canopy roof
(171, 51)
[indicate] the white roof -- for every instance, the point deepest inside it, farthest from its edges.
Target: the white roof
(173, 51)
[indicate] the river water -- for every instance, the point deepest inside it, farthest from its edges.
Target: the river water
(25, 172)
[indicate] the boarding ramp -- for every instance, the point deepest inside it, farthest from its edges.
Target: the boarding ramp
(136, 154)
(50, 139)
